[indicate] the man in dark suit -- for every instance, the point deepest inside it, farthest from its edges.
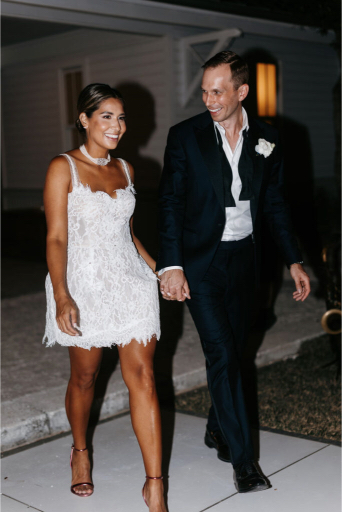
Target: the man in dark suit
(222, 173)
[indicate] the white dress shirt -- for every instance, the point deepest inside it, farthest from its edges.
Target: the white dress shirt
(238, 218)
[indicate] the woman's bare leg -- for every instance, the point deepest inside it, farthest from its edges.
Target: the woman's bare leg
(85, 366)
(137, 370)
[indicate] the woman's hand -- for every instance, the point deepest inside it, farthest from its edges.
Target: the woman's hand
(66, 315)
(174, 286)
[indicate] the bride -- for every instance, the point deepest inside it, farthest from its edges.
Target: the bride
(101, 288)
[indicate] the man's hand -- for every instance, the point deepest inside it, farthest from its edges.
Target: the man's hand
(174, 286)
(302, 281)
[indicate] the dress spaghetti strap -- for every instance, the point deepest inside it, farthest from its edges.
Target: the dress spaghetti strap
(75, 180)
(126, 169)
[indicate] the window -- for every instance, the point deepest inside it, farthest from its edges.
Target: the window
(266, 90)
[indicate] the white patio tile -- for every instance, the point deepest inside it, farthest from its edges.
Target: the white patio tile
(10, 505)
(40, 476)
(311, 485)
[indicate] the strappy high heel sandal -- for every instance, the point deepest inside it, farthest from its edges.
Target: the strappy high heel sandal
(150, 478)
(73, 487)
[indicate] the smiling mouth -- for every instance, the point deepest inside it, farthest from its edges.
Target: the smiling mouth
(214, 110)
(111, 137)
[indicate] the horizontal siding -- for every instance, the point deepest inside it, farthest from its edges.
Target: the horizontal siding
(31, 110)
(31, 124)
(82, 41)
(30, 95)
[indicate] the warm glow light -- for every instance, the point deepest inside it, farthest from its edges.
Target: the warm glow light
(266, 90)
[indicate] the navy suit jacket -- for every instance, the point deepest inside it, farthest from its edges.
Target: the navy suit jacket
(191, 197)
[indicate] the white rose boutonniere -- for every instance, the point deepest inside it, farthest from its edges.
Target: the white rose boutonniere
(264, 148)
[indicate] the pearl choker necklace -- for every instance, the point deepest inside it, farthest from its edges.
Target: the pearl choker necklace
(96, 161)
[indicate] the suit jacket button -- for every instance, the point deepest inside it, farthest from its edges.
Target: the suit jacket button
(219, 225)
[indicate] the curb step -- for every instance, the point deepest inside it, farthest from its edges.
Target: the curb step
(39, 425)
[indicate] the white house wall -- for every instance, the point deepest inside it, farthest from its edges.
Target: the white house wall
(31, 103)
(31, 123)
(31, 98)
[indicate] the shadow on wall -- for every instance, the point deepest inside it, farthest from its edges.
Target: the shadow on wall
(141, 124)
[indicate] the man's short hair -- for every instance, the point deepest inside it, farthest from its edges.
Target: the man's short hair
(238, 66)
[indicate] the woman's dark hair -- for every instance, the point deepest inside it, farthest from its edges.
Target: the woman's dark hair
(90, 99)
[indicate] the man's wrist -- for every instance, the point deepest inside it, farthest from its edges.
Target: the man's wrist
(296, 263)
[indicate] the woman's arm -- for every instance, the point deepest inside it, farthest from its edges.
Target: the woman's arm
(140, 248)
(56, 190)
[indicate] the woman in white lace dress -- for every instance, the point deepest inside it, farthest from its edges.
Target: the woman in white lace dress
(101, 288)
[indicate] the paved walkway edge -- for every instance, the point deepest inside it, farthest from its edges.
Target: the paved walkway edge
(283, 351)
(45, 424)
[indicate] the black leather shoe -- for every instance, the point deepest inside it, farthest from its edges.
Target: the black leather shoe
(215, 440)
(248, 478)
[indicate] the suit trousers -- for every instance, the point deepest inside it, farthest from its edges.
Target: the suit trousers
(222, 308)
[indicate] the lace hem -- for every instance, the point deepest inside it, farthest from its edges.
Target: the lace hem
(107, 339)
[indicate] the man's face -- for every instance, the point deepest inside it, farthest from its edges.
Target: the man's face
(218, 92)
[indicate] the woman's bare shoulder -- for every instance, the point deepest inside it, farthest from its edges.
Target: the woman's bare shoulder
(59, 168)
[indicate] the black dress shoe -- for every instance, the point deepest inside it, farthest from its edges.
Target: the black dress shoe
(248, 478)
(215, 440)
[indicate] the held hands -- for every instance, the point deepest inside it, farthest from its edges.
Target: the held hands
(174, 286)
(66, 315)
(301, 280)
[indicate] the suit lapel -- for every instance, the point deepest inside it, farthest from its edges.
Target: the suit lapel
(254, 134)
(207, 142)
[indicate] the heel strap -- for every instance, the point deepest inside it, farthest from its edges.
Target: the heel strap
(77, 450)
(155, 477)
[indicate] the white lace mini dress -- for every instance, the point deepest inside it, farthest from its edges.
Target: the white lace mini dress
(115, 291)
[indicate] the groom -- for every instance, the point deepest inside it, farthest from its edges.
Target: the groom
(223, 172)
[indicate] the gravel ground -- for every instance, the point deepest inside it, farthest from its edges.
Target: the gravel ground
(300, 395)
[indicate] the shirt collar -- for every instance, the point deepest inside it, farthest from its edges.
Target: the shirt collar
(245, 125)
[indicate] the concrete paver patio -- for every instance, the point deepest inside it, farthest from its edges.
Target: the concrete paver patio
(305, 475)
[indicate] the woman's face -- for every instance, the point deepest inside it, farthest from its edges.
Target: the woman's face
(107, 124)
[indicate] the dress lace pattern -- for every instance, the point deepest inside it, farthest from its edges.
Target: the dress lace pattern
(112, 286)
